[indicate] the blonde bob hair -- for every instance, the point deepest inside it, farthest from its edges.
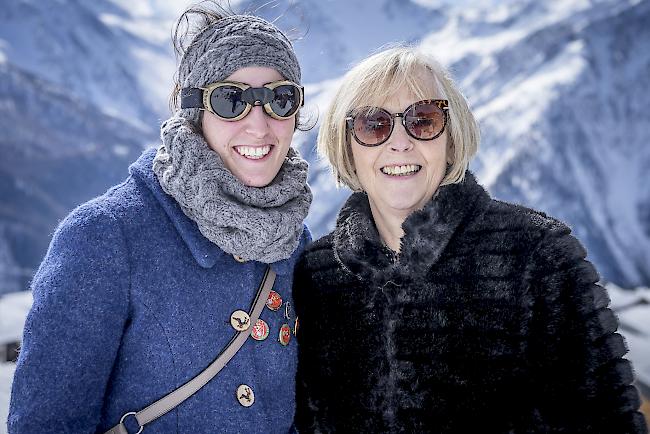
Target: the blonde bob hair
(372, 82)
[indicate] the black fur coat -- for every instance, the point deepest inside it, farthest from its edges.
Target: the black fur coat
(489, 321)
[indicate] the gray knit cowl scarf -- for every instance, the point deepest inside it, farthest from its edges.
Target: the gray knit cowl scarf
(257, 223)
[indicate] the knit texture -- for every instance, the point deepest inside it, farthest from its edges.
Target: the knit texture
(257, 223)
(132, 301)
(489, 320)
(232, 43)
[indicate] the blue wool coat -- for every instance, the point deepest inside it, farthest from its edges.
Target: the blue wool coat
(132, 301)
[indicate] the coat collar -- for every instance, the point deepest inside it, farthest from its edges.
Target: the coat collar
(205, 252)
(359, 248)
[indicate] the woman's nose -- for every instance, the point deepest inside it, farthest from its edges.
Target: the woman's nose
(400, 141)
(257, 122)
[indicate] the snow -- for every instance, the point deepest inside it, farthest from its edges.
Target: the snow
(618, 196)
(6, 375)
(529, 98)
(633, 310)
(121, 150)
(155, 73)
(322, 212)
(88, 51)
(13, 311)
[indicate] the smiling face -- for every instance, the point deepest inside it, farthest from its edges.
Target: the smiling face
(402, 174)
(252, 148)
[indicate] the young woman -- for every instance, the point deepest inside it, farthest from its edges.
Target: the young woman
(146, 286)
(432, 307)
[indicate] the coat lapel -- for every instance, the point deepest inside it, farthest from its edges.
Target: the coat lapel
(360, 250)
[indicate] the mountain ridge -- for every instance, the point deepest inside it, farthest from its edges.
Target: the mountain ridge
(558, 89)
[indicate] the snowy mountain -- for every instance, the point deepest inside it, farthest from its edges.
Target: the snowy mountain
(559, 88)
(562, 107)
(57, 152)
(73, 112)
(103, 54)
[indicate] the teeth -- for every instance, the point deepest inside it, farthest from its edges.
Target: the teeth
(254, 153)
(403, 170)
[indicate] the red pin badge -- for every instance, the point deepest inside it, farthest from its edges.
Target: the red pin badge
(285, 334)
(274, 301)
(260, 330)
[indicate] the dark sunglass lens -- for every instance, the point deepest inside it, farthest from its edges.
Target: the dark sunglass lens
(226, 102)
(424, 120)
(372, 128)
(286, 100)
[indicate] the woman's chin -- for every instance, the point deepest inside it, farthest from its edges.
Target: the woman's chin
(400, 205)
(255, 172)
(255, 180)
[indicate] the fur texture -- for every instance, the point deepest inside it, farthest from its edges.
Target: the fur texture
(489, 320)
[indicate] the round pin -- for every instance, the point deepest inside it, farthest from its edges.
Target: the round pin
(239, 258)
(239, 320)
(245, 395)
(274, 301)
(285, 334)
(260, 330)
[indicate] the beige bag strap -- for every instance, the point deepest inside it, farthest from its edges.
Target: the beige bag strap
(170, 401)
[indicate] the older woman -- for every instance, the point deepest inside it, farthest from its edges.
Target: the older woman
(148, 291)
(432, 307)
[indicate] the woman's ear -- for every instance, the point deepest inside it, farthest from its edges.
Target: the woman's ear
(450, 153)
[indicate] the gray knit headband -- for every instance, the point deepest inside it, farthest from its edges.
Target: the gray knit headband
(231, 43)
(258, 223)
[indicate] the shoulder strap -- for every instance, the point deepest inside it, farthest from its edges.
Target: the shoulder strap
(173, 399)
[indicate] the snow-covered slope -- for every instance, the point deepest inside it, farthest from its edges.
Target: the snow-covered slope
(561, 96)
(115, 58)
(81, 95)
(6, 375)
(633, 311)
(57, 151)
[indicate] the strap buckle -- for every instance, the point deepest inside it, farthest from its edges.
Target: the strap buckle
(131, 413)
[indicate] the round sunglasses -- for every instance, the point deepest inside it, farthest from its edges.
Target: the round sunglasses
(422, 120)
(232, 101)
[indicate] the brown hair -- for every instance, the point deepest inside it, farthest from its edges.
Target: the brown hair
(194, 19)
